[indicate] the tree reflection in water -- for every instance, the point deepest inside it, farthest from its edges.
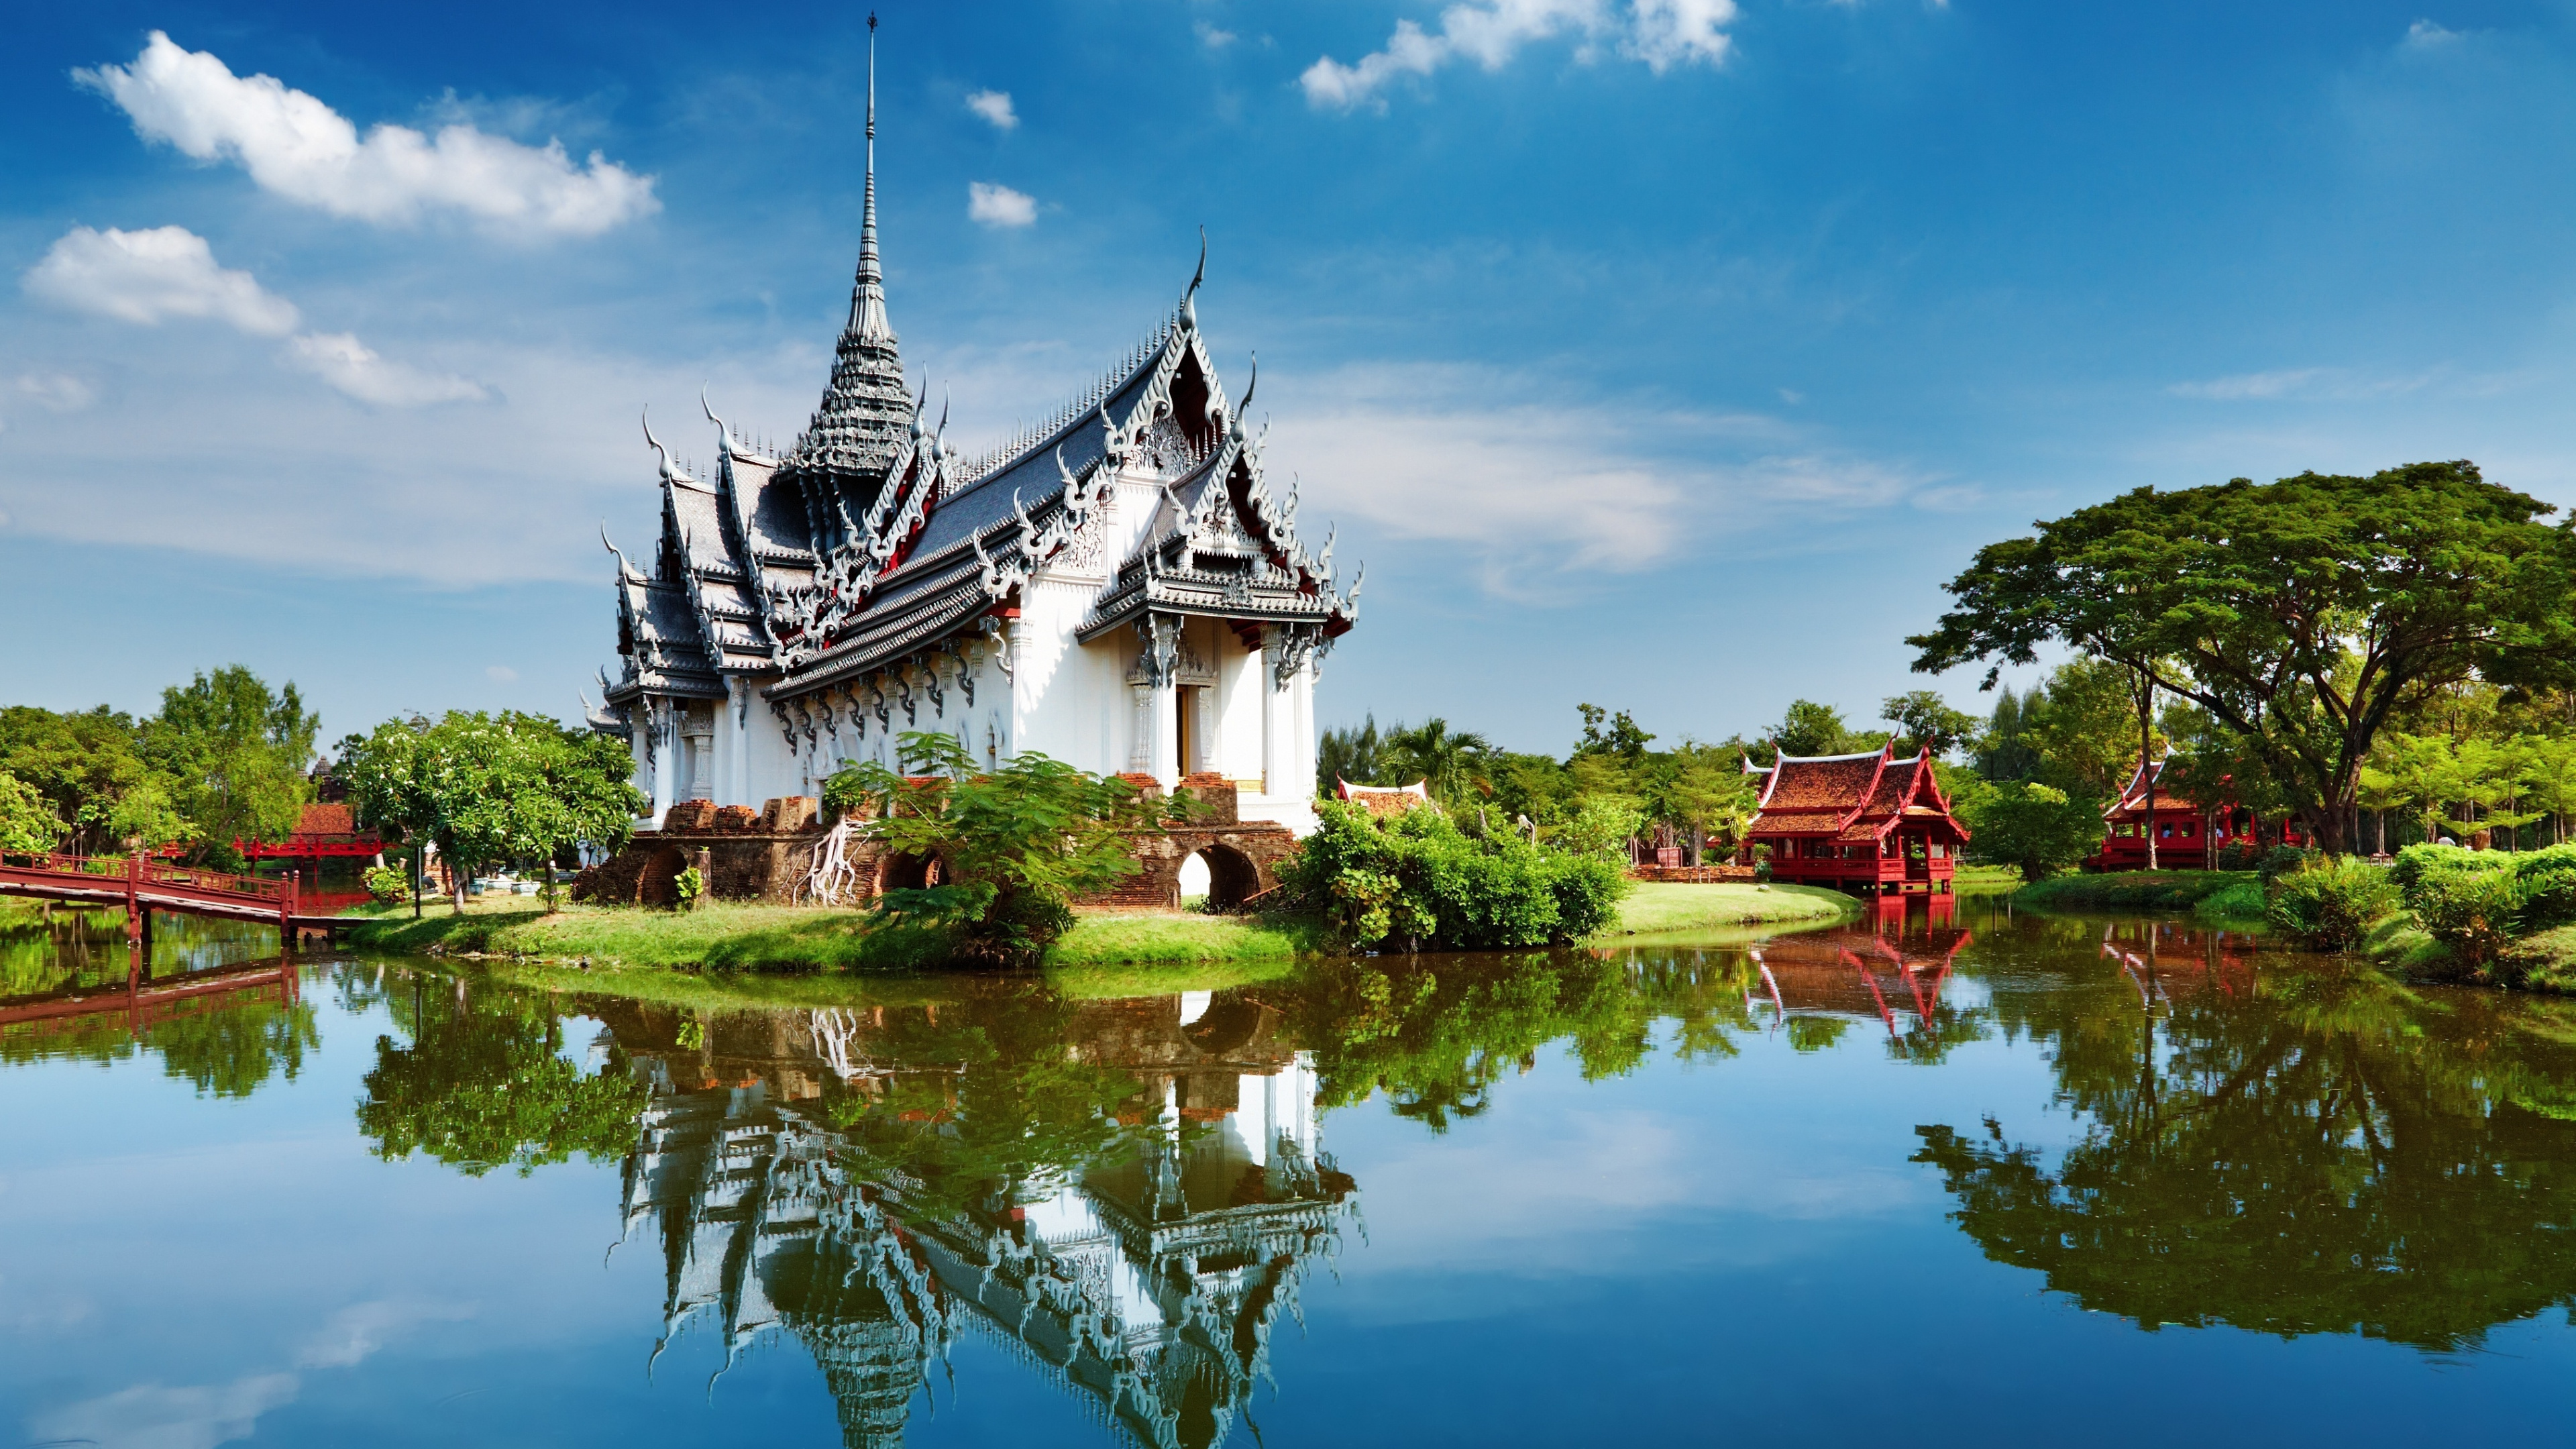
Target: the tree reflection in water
(221, 1010)
(2309, 1149)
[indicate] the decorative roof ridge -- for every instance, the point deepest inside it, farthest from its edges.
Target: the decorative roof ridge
(1881, 751)
(1869, 792)
(1028, 441)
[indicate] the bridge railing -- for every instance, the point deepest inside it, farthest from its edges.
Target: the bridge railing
(114, 868)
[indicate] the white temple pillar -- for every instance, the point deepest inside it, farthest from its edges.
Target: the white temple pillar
(1163, 733)
(1276, 726)
(739, 691)
(662, 718)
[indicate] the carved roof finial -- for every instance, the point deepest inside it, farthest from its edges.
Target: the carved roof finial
(724, 435)
(1189, 297)
(670, 470)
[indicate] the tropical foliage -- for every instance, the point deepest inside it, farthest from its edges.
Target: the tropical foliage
(1015, 844)
(1416, 879)
(2301, 615)
(486, 788)
(226, 758)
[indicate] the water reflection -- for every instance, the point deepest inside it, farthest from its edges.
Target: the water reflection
(211, 999)
(1129, 1193)
(2289, 1145)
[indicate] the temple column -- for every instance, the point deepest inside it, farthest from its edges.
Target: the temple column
(1163, 733)
(1277, 728)
(662, 719)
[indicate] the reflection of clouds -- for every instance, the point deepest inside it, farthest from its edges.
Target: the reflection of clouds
(361, 1328)
(1554, 1195)
(149, 1416)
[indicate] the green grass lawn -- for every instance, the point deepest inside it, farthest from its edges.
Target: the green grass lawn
(1665, 907)
(1105, 952)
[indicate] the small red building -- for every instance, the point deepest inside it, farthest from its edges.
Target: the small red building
(321, 831)
(1868, 823)
(2187, 836)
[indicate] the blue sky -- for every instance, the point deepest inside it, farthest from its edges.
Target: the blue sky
(1666, 355)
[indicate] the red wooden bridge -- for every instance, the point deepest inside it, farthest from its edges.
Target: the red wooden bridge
(142, 885)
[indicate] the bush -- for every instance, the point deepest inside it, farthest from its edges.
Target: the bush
(688, 886)
(2332, 903)
(1418, 879)
(2470, 911)
(2474, 901)
(2235, 855)
(2283, 860)
(387, 884)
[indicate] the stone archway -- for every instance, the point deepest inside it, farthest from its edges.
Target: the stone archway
(659, 882)
(1223, 874)
(907, 873)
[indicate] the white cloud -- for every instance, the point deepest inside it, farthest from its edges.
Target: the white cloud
(351, 366)
(299, 148)
(500, 673)
(149, 1416)
(997, 205)
(1541, 487)
(2426, 35)
(1210, 36)
(56, 392)
(147, 276)
(1661, 33)
(994, 106)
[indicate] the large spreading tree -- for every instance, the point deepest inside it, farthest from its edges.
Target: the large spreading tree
(2300, 614)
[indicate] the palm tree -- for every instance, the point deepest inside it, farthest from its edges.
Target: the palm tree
(1450, 763)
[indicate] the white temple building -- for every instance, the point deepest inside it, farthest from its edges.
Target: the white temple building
(1119, 588)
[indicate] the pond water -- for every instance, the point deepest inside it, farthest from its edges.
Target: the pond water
(2116, 1181)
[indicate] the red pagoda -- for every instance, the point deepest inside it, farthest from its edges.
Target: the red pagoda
(2187, 836)
(1868, 823)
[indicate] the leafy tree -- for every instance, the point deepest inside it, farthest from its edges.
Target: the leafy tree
(1607, 734)
(487, 788)
(2550, 774)
(2035, 828)
(1810, 728)
(1357, 755)
(2084, 730)
(1711, 793)
(1924, 719)
(236, 754)
(2005, 751)
(85, 764)
(28, 824)
(1015, 844)
(2299, 614)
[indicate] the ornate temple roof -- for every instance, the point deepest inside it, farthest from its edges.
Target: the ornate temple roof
(870, 541)
(1850, 798)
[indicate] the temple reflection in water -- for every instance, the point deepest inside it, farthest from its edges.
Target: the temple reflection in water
(803, 1173)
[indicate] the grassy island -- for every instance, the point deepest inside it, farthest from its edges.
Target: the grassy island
(723, 936)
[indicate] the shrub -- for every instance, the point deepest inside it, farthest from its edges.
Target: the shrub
(688, 886)
(2332, 903)
(2282, 860)
(2470, 911)
(1417, 878)
(2235, 855)
(387, 884)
